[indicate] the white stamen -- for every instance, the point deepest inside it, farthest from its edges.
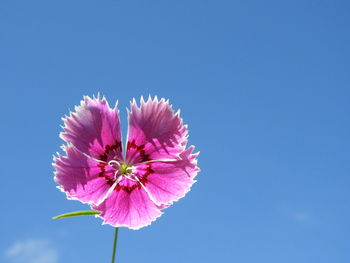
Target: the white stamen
(160, 160)
(111, 162)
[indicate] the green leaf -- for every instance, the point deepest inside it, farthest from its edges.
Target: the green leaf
(77, 213)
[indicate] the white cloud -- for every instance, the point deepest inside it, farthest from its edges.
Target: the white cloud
(32, 251)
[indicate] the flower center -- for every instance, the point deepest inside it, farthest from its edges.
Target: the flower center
(125, 169)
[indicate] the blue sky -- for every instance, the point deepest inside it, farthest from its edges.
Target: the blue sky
(263, 86)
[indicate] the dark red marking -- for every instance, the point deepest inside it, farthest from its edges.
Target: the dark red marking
(127, 189)
(102, 173)
(104, 158)
(110, 148)
(102, 167)
(140, 149)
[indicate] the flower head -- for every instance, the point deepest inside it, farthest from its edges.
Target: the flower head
(128, 186)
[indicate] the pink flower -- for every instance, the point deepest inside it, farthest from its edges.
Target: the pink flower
(129, 188)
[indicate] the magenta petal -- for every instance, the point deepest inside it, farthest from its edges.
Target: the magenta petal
(167, 182)
(155, 132)
(82, 178)
(94, 129)
(130, 207)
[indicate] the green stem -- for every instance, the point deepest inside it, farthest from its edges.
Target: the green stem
(115, 244)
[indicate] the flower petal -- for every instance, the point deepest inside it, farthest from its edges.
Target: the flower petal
(167, 182)
(82, 178)
(94, 129)
(128, 205)
(155, 132)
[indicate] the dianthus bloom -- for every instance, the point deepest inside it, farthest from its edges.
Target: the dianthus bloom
(129, 187)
